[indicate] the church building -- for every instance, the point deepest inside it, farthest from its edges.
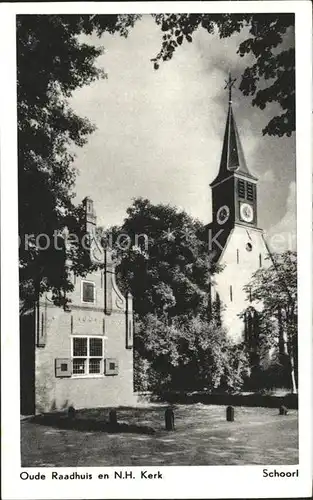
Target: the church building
(235, 240)
(80, 355)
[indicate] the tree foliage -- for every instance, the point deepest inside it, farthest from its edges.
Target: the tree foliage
(190, 354)
(275, 287)
(179, 339)
(167, 267)
(52, 62)
(271, 77)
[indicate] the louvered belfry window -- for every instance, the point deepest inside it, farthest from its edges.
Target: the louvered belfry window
(241, 188)
(250, 191)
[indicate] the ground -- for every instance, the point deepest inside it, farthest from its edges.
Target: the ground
(202, 437)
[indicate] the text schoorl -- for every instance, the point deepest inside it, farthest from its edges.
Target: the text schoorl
(276, 473)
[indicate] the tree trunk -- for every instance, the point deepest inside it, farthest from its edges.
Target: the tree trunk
(285, 318)
(290, 351)
(282, 341)
(292, 369)
(292, 322)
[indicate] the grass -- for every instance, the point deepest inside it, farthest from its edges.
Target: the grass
(202, 436)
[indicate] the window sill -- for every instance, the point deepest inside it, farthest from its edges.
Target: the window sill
(79, 377)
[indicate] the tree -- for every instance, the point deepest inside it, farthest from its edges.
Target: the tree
(271, 78)
(268, 366)
(169, 273)
(166, 267)
(190, 354)
(52, 62)
(276, 288)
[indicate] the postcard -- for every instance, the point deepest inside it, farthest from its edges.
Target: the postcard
(156, 217)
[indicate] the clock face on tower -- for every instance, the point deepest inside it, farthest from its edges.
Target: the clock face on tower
(222, 214)
(246, 212)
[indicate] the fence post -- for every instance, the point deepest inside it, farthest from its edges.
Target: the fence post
(71, 412)
(283, 410)
(230, 414)
(169, 419)
(112, 417)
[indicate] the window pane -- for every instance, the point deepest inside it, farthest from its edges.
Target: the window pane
(95, 347)
(79, 366)
(80, 347)
(94, 365)
(88, 292)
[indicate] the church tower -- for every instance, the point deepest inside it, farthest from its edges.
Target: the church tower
(235, 241)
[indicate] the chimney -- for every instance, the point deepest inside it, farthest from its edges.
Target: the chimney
(90, 216)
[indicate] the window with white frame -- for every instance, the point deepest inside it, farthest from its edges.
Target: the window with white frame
(88, 292)
(87, 354)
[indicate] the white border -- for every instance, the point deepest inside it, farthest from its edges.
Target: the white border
(178, 482)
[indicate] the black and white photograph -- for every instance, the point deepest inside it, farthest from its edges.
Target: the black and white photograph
(160, 272)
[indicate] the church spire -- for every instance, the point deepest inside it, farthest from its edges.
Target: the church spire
(229, 85)
(232, 159)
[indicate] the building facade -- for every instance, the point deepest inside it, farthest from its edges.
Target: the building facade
(80, 355)
(235, 240)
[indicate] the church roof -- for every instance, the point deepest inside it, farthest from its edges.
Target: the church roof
(232, 159)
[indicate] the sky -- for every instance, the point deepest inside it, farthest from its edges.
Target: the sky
(159, 133)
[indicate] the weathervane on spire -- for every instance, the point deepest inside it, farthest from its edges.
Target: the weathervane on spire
(229, 84)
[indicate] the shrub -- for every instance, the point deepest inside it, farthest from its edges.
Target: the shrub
(187, 354)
